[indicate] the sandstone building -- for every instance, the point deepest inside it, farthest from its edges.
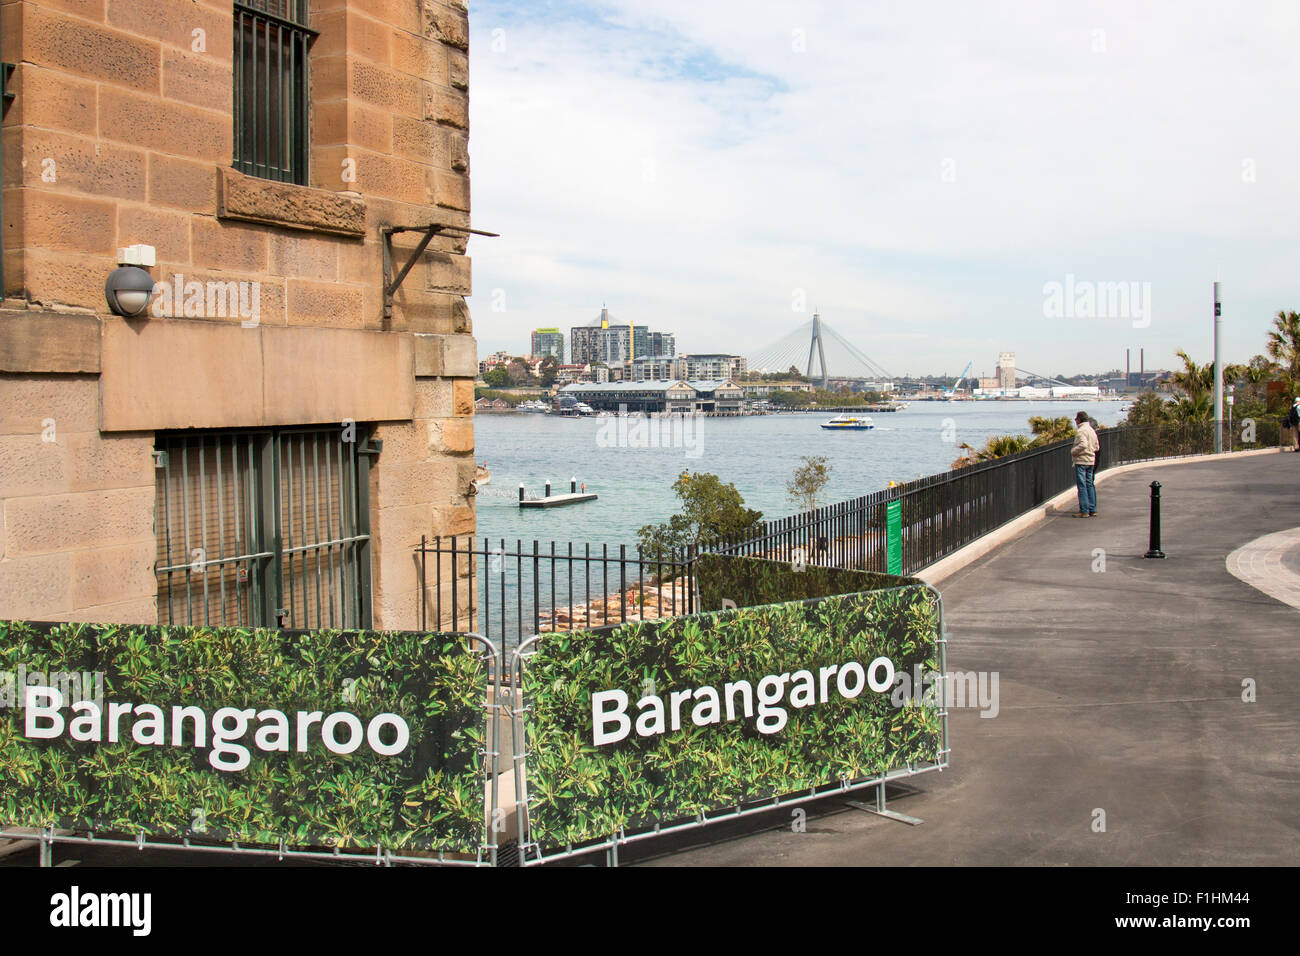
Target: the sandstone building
(269, 440)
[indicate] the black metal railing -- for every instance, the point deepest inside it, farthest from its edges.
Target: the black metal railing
(511, 592)
(945, 512)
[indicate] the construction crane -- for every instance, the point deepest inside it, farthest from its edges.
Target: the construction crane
(960, 378)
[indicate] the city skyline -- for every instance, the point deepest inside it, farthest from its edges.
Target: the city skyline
(718, 171)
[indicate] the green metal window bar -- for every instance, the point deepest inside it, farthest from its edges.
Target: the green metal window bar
(271, 83)
(264, 528)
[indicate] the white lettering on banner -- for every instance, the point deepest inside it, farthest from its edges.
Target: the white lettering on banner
(76, 909)
(340, 733)
(611, 723)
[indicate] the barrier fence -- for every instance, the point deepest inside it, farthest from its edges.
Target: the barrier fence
(299, 743)
(655, 727)
(386, 746)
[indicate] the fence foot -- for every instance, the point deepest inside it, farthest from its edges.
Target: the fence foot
(611, 855)
(47, 851)
(881, 810)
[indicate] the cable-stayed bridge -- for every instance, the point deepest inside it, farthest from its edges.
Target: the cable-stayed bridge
(816, 341)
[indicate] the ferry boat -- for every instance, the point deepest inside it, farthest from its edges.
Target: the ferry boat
(849, 423)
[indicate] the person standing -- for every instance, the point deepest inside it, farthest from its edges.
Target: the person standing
(1293, 421)
(1084, 455)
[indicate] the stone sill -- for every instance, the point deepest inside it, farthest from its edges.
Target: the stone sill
(271, 203)
(48, 341)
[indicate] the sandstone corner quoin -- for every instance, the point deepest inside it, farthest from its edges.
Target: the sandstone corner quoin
(266, 460)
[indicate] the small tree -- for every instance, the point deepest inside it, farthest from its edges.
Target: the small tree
(518, 371)
(711, 511)
(497, 377)
(1147, 409)
(809, 479)
(549, 368)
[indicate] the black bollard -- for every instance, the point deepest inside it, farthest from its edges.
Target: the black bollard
(521, 491)
(1153, 551)
(548, 490)
(573, 486)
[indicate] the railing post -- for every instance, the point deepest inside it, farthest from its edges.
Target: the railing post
(1153, 549)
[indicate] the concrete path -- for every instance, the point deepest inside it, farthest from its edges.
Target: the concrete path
(1271, 564)
(1121, 690)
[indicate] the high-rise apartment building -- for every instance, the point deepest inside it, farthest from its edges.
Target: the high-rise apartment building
(548, 342)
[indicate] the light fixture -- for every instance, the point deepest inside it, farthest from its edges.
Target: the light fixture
(129, 287)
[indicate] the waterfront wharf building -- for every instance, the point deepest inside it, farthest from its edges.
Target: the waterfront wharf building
(666, 396)
(267, 441)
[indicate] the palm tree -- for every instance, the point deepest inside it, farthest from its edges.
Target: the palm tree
(1050, 430)
(1199, 409)
(1195, 380)
(1284, 348)
(1000, 446)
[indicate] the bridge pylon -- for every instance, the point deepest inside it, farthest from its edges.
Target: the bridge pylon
(816, 345)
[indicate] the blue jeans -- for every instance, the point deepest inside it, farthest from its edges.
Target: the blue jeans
(1087, 490)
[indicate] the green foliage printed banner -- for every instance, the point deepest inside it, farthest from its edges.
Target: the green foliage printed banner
(356, 739)
(581, 789)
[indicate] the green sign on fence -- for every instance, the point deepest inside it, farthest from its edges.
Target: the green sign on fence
(314, 738)
(894, 537)
(652, 722)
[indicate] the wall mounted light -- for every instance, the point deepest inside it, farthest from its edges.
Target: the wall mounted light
(129, 287)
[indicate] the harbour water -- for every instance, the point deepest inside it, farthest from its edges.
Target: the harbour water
(632, 470)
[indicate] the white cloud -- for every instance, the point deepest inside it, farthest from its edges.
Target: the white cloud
(684, 164)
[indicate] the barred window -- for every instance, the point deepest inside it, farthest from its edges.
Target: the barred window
(271, 83)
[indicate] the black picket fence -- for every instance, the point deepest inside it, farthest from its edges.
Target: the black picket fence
(511, 591)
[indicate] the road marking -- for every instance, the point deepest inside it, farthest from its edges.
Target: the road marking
(1260, 564)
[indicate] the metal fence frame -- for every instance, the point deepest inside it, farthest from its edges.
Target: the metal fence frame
(531, 854)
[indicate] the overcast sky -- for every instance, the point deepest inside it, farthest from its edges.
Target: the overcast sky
(920, 172)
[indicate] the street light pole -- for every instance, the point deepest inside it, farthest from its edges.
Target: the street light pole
(1218, 375)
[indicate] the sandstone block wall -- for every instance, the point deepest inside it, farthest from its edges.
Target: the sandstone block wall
(122, 132)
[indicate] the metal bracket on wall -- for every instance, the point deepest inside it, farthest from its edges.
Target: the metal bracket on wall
(393, 283)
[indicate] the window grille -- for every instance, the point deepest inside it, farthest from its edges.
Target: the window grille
(263, 529)
(271, 83)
